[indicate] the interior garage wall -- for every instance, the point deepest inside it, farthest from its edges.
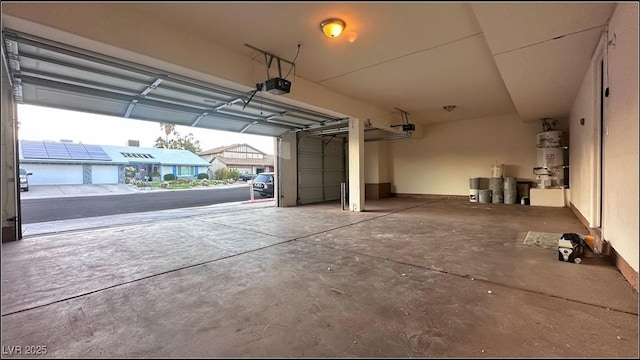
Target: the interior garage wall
(442, 160)
(376, 170)
(584, 138)
(7, 159)
(371, 164)
(620, 164)
(620, 192)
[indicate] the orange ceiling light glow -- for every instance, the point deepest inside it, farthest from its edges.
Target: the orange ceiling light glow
(332, 27)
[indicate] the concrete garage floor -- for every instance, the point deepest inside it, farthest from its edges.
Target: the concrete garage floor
(407, 278)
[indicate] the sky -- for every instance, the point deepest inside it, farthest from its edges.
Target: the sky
(42, 123)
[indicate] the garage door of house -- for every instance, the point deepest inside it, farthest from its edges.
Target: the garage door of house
(104, 174)
(49, 174)
(321, 169)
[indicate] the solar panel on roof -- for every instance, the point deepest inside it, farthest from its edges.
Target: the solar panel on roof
(96, 152)
(34, 150)
(78, 152)
(51, 150)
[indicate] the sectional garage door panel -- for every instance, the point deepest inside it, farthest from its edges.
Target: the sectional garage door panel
(47, 174)
(57, 75)
(320, 169)
(104, 174)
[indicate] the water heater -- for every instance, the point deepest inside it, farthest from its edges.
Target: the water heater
(549, 169)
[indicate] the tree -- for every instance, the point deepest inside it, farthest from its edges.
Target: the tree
(173, 140)
(168, 129)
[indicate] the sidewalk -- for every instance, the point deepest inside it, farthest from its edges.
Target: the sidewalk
(55, 191)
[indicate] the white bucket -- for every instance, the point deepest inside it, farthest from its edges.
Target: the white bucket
(473, 195)
(497, 170)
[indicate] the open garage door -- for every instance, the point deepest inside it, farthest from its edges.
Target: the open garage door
(56, 75)
(50, 74)
(321, 168)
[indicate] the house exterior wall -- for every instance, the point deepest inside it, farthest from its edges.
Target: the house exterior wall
(243, 152)
(217, 164)
(207, 157)
(165, 169)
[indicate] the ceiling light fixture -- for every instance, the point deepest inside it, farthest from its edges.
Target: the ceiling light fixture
(449, 108)
(332, 27)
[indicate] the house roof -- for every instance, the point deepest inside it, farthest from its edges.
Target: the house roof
(268, 160)
(60, 152)
(221, 149)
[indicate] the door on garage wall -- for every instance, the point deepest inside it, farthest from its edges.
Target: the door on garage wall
(320, 168)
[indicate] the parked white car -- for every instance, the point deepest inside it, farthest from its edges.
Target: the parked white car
(24, 179)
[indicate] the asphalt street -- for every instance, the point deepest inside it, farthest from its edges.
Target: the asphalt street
(64, 208)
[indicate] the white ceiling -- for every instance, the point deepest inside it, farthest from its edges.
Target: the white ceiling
(486, 58)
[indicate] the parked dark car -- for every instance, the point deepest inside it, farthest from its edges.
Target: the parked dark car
(263, 184)
(24, 179)
(246, 177)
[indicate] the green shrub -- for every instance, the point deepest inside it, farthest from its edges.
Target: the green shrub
(164, 184)
(204, 182)
(234, 175)
(127, 180)
(225, 174)
(141, 184)
(203, 176)
(169, 177)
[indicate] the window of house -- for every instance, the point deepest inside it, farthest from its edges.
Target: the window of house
(185, 170)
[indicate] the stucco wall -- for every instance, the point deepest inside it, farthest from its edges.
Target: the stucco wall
(371, 163)
(447, 154)
(620, 179)
(584, 139)
(620, 134)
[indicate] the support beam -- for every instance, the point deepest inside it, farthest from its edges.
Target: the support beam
(9, 178)
(287, 170)
(356, 165)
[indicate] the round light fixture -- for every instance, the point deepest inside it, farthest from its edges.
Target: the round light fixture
(332, 27)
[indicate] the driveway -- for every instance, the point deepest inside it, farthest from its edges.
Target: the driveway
(61, 191)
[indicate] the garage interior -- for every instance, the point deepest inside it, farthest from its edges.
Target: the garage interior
(416, 269)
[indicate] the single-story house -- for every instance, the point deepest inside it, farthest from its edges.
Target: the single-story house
(241, 157)
(58, 163)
